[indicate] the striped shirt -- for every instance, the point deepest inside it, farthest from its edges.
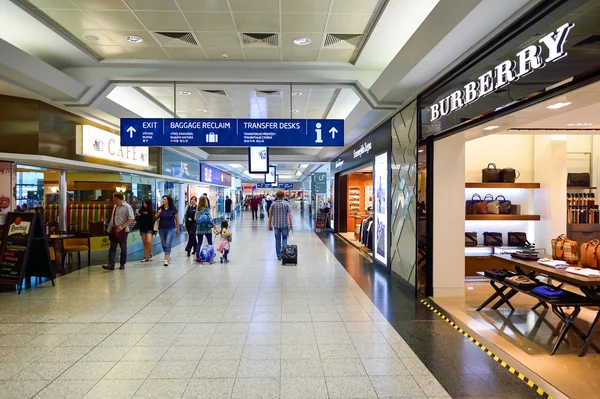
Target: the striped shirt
(280, 209)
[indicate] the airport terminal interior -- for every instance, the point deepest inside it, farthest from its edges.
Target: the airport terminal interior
(253, 199)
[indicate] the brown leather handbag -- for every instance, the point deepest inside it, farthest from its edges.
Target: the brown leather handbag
(588, 254)
(565, 249)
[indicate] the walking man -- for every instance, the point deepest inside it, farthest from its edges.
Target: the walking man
(118, 230)
(228, 203)
(280, 220)
(254, 202)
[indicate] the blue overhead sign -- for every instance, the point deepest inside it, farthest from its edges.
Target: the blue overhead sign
(211, 175)
(232, 132)
(285, 186)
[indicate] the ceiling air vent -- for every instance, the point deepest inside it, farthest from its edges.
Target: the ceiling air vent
(352, 39)
(260, 39)
(215, 92)
(176, 39)
(268, 93)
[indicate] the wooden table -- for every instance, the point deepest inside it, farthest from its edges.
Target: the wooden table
(589, 286)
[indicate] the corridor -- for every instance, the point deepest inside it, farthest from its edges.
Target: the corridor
(248, 329)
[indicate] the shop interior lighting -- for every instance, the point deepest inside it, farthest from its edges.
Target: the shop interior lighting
(134, 39)
(491, 127)
(579, 124)
(559, 105)
(54, 189)
(302, 41)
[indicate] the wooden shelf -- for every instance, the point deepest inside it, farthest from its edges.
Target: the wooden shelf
(502, 185)
(581, 188)
(503, 217)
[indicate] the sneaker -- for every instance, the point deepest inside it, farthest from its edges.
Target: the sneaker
(150, 256)
(226, 260)
(221, 259)
(107, 267)
(146, 259)
(122, 267)
(166, 263)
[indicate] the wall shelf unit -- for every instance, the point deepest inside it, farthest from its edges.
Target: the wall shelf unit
(503, 217)
(502, 185)
(581, 188)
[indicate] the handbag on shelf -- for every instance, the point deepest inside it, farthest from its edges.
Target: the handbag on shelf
(481, 207)
(565, 249)
(578, 180)
(505, 206)
(548, 291)
(518, 239)
(509, 175)
(470, 204)
(470, 239)
(493, 207)
(499, 274)
(492, 239)
(523, 282)
(491, 174)
(589, 254)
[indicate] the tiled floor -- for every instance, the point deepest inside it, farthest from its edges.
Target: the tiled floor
(248, 329)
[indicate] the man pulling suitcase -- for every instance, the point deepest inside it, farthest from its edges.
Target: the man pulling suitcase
(280, 221)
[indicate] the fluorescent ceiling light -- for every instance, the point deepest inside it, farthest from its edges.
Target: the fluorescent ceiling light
(185, 93)
(134, 39)
(131, 99)
(296, 94)
(302, 41)
(298, 173)
(579, 124)
(491, 127)
(236, 165)
(559, 105)
(304, 166)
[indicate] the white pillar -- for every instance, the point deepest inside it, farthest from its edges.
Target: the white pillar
(550, 201)
(181, 204)
(62, 201)
(449, 217)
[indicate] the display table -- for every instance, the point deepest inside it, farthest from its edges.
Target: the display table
(504, 291)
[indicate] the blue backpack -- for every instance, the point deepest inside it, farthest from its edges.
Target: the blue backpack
(204, 221)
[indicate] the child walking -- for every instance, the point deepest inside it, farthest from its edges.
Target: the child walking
(224, 244)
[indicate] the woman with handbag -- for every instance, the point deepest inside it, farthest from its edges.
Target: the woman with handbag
(168, 225)
(145, 217)
(190, 227)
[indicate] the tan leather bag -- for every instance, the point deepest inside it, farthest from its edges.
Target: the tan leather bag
(565, 249)
(589, 254)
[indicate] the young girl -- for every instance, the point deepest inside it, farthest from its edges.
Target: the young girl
(226, 235)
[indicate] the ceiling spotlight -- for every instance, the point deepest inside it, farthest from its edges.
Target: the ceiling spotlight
(302, 41)
(296, 94)
(91, 38)
(558, 105)
(184, 93)
(134, 39)
(491, 127)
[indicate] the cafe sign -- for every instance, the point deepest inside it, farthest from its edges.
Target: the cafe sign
(98, 143)
(528, 60)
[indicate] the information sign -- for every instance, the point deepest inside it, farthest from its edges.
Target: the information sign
(232, 132)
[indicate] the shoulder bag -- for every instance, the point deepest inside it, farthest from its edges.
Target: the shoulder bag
(565, 249)
(470, 204)
(578, 180)
(470, 239)
(589, 254)
(518, 239)
(492, 239)
(509, 175)
(505, 206)
(491, 174)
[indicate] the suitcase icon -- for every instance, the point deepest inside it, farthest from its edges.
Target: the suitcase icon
(212, 137)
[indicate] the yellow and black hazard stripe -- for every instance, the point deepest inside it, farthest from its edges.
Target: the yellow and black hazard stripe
(491, 354)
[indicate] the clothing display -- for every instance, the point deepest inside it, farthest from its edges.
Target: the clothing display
(584, 272)
(557, 264)
(366, 232)
(523, 282)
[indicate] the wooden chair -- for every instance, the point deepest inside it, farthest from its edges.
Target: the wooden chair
(71, 245)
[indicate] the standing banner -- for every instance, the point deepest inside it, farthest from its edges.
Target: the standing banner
(381, 207)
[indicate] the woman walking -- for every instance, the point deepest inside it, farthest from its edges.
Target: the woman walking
(190, 227)
(146, 219)
(168, 225)
(204, 225)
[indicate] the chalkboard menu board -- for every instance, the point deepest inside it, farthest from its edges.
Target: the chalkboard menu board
(24, 249)
(321, 221)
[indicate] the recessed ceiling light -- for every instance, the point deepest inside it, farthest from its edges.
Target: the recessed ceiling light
(202, 110)
(491, 127)
(134, 38)
(558, 105)
(294, 110)
(302, 41)
(296, 94)
(185, 93)
(91, 38)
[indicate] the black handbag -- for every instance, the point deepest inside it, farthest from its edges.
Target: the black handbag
(470, 239)
(518, 239)
(492, 239)
(491, 174)
(505, 205)
(578, 180)
(470, 204)
(509, 175)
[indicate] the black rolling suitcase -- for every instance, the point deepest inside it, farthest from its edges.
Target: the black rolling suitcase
(289, 253)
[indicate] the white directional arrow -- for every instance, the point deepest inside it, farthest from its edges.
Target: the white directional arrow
(333, 131)
(131, 131)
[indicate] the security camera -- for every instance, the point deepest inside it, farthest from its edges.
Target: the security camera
(224, 55)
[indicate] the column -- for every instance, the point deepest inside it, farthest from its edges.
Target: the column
(62, 201)
(181, 204)
(449, 217)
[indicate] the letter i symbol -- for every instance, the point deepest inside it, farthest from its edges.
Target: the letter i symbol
(319, 133)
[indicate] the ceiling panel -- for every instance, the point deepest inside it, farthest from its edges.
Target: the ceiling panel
(217, 25)
(95, 36)
(184, 53)
(147, 53)
(163, 20)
